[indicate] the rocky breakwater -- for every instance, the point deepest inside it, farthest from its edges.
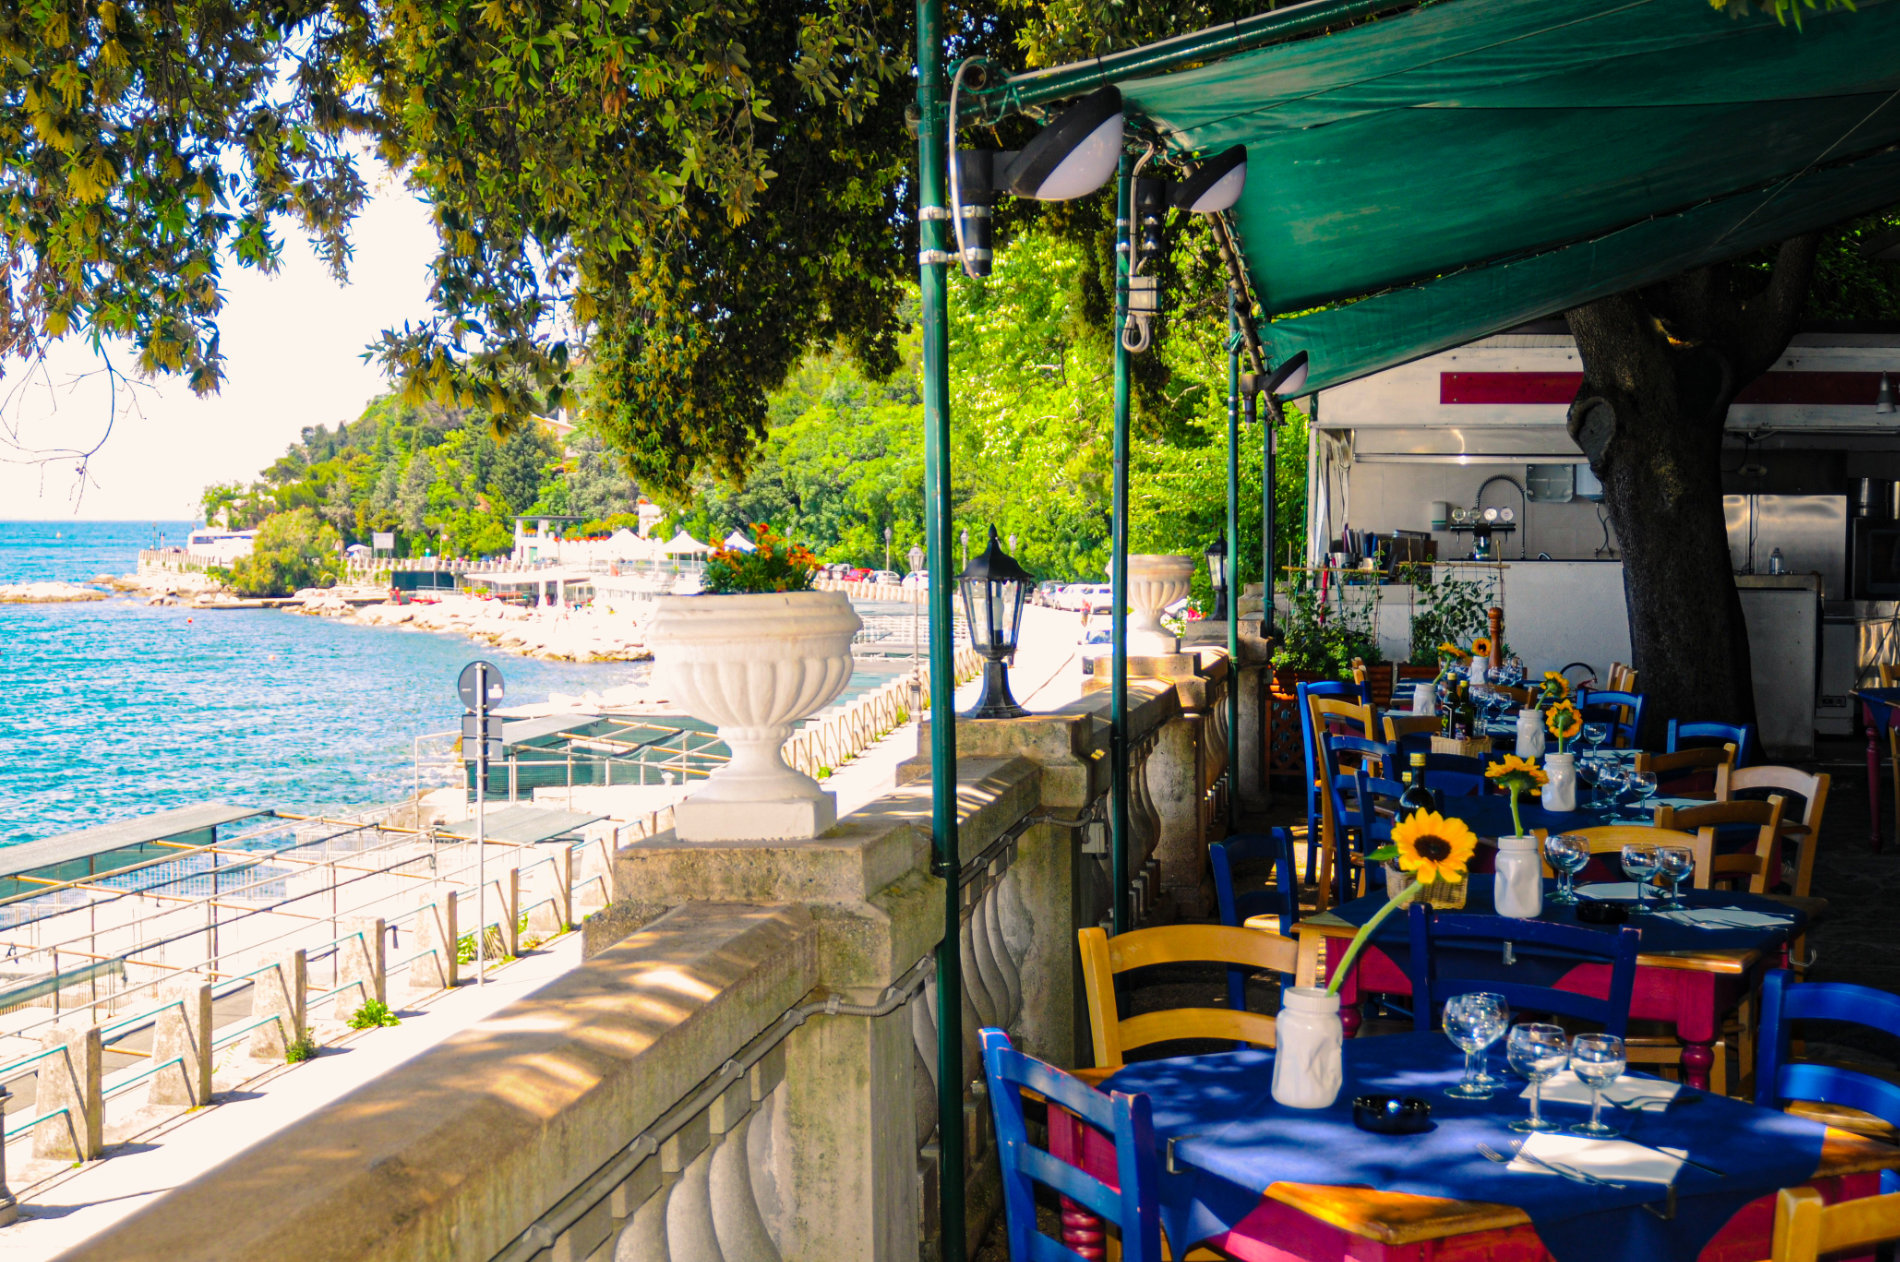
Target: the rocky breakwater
(558, 635)
(47, 593)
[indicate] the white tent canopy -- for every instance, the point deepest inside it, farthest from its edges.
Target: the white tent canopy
(624, 545)
(683, 544)
(739, 543)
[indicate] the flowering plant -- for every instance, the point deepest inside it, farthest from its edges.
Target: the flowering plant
(774, 565)
(1481, 647)
(1564, 722)
(1428, 847)
(1554, 689)
(1519, 775)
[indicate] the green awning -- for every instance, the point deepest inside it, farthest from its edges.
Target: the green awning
(1452, 170)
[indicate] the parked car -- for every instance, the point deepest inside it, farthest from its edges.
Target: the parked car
(885, 576)
(1097, 630)
(917, 578)
(857, 574)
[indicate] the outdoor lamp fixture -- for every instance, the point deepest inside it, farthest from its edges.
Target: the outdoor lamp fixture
(1287, 379)
(1883, 398)
(1217, 575)
(1071, 157)
(994, 588)
(1213, 188)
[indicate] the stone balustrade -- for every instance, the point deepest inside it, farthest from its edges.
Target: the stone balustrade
(744, 1066)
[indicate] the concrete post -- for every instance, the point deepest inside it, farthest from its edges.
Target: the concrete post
(359, 965)
(9, 1207)
(183, 1031)
(280, 992)
(508, 890)
(436, 932)
(70, 1080)
(550, 915)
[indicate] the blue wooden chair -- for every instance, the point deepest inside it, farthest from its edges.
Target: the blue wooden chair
(1125, 1120)
(1430, 989)
(1345, 758)
(1455, 775)
(1714, 736)
(1781, 1080)
(1623, 711)
(1237, 906)
(1359, 694)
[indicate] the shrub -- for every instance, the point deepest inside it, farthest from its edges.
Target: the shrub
(293, 550)
(373, 1014)
(300, 1051)
(774, 565)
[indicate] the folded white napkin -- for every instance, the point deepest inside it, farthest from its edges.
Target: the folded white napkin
(1611, 1159)
(1725, 918)
(1639, 1093)
(1608, 889)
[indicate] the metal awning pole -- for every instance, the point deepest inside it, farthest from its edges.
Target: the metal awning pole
(933, 285)
(1269, 435)
(1233, 556)
(1118, 578)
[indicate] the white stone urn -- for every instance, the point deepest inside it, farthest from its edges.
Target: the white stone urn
(754, 665)
(1154, 582)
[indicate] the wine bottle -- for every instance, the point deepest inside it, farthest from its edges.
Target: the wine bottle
(1416, 796)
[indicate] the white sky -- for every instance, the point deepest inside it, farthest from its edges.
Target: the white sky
(292, 345)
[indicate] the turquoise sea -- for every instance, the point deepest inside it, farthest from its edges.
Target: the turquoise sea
(117, 708)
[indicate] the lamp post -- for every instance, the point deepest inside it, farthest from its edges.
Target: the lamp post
(993, 588)
(1217, 575)
(966, 545)
(887, 547)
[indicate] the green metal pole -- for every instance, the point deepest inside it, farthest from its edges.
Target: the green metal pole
(933, 284)
(1269, 417)
(1233, 557)
(1118, 579)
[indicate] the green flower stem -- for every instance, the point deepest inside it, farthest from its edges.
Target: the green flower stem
(1517, 821)
(1359, 939)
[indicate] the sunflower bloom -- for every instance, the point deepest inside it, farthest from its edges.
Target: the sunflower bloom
(1434, 848)
(1481, 647)
(1564, 720)
(1523, 769)
(1452, 650)
(1556, 687)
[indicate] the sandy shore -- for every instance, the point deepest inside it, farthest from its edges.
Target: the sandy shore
(48, 593)
(559, 635)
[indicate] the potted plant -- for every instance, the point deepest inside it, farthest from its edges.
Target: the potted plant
(755, 653)
(1446, 609)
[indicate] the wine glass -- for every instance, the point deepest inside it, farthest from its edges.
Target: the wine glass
(1639, 863)
(1612, 783)
(1538, 1052)
(1642, 787)
(1569, 854)
(1598, 1059)
(1673, 863)
(1595, 735)
(1473, 1022)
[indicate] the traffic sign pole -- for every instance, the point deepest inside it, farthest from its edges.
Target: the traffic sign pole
(480, 686)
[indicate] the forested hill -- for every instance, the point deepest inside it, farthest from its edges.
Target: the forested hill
(439, 478)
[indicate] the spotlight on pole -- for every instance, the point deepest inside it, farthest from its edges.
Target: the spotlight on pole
(1215, 186)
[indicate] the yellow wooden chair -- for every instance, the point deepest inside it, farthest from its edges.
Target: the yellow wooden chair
(1807, 1228)
(1622, 677)
(1104, 957)
(1684, 763)
(1401, 725)
(1712, 869)
(1803, 833)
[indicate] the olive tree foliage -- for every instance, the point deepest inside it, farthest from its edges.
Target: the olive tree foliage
(688, 194)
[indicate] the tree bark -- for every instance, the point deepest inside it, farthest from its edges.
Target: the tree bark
(1660, 368)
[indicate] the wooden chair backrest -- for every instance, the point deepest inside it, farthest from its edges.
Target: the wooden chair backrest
(1522, 697)
(1103, 957)
(1686, 760)
(1810, 787)
(1808, 1228)
(1326, 709)
(1711, 867)
(1611, 838)
(1889, 674)
(1622, 677)
(1397, 725)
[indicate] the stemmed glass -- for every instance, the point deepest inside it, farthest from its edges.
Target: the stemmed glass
(1639, 862)
(1569, 854)
(1598, 1059)
(1612, 783)
(1538, 1052)
(1595, 735)
(1673, 863)
(1643, 787)
(1473, 1022)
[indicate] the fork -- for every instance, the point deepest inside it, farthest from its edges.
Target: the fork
(1567, 1172)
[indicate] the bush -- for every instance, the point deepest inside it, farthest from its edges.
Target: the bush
(775, 565)
(300, 1051)
(372, 1014)
(294, 550)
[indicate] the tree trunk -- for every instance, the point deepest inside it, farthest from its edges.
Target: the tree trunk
(1660, 368)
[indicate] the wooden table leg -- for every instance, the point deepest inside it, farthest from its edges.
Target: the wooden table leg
(1697, 1060)
(1082, 1231)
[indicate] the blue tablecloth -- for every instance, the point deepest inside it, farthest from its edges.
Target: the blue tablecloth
(1489, 814)
(1233, 1142)
(1659, 935)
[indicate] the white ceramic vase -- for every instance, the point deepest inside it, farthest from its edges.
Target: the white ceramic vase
(1518, 887)
(1530, 733)
(1560, 793)
(1154, 583)
(754, 665)
(1308, 1042)
(1424, 699)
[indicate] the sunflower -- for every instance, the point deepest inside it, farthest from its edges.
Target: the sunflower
(1481, 647)
(1556, 687)
(1527, 773)
(1433, 848)
(1452, 650)
(1564, 721)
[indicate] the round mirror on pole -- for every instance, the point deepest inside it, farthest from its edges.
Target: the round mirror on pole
(1216, 553)
(994, 588)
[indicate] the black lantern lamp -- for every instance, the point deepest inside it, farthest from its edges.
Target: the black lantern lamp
(1217, 575)
(994, 588)
(1283, 382)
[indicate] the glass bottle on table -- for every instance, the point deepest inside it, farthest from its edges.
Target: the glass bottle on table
(1538, 1052)
(1416, 796)
(1464, 717)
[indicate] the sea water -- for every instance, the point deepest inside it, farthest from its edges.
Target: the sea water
(116, 708)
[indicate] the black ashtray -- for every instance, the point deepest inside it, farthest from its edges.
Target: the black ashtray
(1391, 1114)
(1595, 911)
